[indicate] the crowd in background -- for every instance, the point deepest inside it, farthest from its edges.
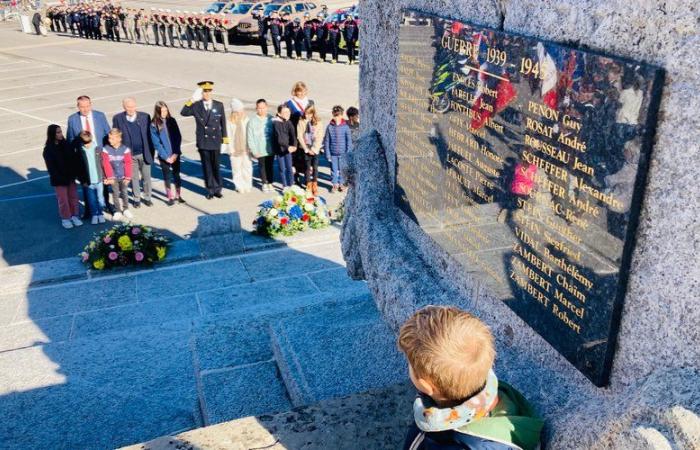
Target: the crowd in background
(203, 31)
(118, 157)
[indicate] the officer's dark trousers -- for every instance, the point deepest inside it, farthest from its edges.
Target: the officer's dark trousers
(308, 48)
(322, 49)
(352, 47)
(210, 168)
(289, 45)
(277, 44)
(204, 37)
(162, 37)
(262, 39)
(189, 35)
(333, 47)
(298, 45)
(156, 34)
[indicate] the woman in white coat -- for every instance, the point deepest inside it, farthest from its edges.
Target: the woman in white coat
(241, 162)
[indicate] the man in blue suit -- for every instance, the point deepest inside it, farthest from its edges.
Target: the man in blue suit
(135, 128)
(96, 123)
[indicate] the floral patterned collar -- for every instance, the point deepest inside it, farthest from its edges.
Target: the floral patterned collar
(430, 418)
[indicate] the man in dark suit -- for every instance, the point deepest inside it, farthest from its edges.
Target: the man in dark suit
(136, 135)
(96, 123)
(210, 118)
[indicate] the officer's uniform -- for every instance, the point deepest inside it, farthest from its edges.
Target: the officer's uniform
(211, 134)
(351, 35)
(142, 24)
(321, 37)
(334, 40)
(309, 27)
(155, 25)
(263, 28)
(276, 31)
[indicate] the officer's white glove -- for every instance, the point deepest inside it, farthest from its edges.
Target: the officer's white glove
(224, 148)
(197, 95)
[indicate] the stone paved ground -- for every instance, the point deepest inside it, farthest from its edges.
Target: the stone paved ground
(122, 359)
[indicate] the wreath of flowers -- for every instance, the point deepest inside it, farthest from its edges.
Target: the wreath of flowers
(294, 211)
(125, 245)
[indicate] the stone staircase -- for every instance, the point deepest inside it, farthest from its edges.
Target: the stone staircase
(110, 360)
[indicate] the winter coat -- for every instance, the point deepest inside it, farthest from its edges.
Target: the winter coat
(338, 139)
(259, 135)
(62, 163)
(304, 135)
(284, 136)
(169, 133)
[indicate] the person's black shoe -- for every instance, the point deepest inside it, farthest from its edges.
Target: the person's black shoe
(218, 195)
(137, 205)
(148, 203)
(209, 196)
(171, 202)
(181, 200)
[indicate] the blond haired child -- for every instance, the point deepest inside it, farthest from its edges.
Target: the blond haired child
(462, 404)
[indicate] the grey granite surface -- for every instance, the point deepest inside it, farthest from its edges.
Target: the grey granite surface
(659, 329)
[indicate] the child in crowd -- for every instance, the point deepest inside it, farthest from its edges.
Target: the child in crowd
(61, 163)
(167, 140)
(462, 405)
(241, 164)
(259, 136)
(92, 176)
(310, 134)
(284, 144)
(354, 124)
(116, 163)
(336, 144)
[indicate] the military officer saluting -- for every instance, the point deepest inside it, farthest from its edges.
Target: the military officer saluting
(210, 119)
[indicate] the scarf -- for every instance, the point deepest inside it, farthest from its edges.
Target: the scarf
(430, 418)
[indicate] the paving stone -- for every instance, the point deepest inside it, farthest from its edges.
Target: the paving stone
(221, 245)
(336, 353)
(68, 416)
(334, 279)
(25, 275)
(243, 391)
(217, 224)
(183, 250)
(276, 263)
(74, 297)
(155, 363)
(8, 307)
(167, 282)
(29, 334)
(230, 344)
(31, 368)
(134, 315)
(269, 292)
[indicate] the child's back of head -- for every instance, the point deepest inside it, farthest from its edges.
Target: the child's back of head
(449, 348)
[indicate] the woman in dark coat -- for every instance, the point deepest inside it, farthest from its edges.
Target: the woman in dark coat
(167, 141)
(64, 167)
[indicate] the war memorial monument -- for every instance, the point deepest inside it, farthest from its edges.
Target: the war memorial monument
(530, 161)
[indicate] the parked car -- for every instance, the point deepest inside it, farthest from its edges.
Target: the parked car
(217, 7)
(342, 13)
(248, 27)
(241, 11)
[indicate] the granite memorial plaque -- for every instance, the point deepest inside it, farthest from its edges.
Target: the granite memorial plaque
(526, 161)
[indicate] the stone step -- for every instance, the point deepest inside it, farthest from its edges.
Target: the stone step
(209, 245)
(373, 420)
(238, 375)
(336, 352)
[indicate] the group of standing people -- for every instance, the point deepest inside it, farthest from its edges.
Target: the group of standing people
(301, 36)
(103, 158)
(162, 27)
(99, 157)
(184, 29)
